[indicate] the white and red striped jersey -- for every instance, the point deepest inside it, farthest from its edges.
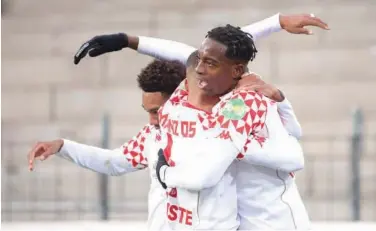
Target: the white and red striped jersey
(138, 153)
(202, 147)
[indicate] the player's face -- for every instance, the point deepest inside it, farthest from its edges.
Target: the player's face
(216, 73)
(151, 102)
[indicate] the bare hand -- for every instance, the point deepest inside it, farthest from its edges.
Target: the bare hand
(43, 150)
(296, 24)
(253, 82)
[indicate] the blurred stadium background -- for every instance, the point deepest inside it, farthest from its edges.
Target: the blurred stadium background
(329, 77)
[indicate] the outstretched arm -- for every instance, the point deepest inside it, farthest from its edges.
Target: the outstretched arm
(128, 158)
(171, 50)
(102, 44)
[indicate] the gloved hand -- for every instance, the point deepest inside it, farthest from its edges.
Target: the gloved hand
(161, 163)
(101, 44)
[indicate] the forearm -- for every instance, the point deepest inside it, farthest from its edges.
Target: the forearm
(264, 27)
(205, 171)
(164, 49)
(286, 154)
(289, 119)
(171, 50)
(110, 162)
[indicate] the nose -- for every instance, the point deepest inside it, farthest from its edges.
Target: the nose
(200, 68)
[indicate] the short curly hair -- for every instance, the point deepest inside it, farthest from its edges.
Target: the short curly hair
(161, 76)
(240, 45)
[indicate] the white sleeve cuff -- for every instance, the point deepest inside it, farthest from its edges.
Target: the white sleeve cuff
(67, 148)
(284, 104)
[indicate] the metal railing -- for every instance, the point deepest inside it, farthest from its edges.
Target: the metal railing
(334, 185)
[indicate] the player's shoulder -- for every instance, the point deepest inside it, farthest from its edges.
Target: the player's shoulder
(244, 110)
(236, 104)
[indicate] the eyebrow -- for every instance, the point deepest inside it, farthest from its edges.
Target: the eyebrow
(208, 57)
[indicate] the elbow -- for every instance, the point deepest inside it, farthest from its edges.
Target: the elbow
(299, 164)
(295, 165)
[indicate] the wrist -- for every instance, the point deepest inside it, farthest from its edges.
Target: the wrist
(279, 96)
(282, 21)
(60, 144)
(124, 40)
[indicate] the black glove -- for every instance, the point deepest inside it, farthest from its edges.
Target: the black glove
(161, 162)
(102, 44)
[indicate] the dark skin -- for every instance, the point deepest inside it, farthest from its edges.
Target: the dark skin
(219, 72)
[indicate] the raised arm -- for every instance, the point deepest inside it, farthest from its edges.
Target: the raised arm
(289, 119)
(170, 50)
(264, 27)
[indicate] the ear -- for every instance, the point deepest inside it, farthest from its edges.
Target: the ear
(238, 70)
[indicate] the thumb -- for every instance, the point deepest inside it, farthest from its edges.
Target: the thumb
(47, 153)
(304, 31)
(160, 153)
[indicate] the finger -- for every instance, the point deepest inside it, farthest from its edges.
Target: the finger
(314, 21)
(248, 87)
(82, 52)
(31, 155)
(322, 24)
(303, 31)
(46, 154)
(97, 51)
(160, 152)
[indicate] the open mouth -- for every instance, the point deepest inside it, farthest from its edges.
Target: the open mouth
(201, 83)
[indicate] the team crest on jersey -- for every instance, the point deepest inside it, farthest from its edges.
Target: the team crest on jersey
(234, 109)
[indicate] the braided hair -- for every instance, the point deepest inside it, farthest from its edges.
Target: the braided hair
(240, 45)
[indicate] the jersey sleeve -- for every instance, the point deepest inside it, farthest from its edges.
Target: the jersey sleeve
(280, 153)
(129, 157)
(213, 159)
(172, 50)
(164, 49)
(264, 27)
(289, 119)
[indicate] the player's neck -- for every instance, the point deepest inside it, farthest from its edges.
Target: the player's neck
(199, 99)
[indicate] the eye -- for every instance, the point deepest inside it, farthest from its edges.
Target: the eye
(210, 64)
(154, 112)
